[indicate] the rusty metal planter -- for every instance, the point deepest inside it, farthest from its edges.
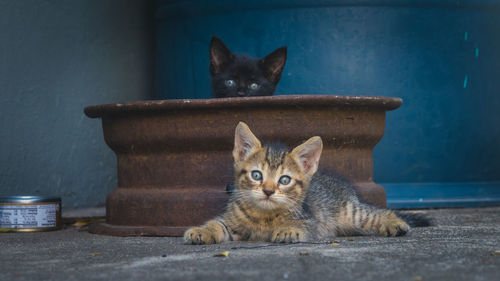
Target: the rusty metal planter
(174, 156)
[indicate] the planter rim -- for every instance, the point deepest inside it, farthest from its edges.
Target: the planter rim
(384, 103)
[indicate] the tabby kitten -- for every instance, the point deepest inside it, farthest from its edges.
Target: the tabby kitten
(242, 76)
(279, 197)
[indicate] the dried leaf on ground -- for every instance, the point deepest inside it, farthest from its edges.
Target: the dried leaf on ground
(222, 254)
(80, 223)
(85, 222)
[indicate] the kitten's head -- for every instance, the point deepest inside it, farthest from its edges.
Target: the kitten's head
(242, 76)
(273, 177)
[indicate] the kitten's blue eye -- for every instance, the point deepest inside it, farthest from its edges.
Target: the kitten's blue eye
(256, 175)
(230, 83)
(285, 180)
(253, 86)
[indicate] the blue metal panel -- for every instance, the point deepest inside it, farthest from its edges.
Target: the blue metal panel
(454, 194)
(442, 57)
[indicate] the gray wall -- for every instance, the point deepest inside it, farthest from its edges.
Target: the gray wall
(56, 57)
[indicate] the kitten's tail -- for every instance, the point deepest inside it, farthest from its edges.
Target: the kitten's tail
(415, 219)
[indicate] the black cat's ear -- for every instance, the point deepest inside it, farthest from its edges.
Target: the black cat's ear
(220, 55)
(245, 143)
(308, 154)
(273, 64)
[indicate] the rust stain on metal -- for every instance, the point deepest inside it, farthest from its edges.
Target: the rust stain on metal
(174, 156)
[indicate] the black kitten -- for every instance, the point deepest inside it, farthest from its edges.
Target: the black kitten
(242, 76)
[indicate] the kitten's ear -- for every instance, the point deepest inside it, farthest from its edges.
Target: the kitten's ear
(220, 55)
(273, 64)
(244, 142)
(308, 154)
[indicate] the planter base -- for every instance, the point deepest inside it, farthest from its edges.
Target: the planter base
(180, 207)
(123, 230)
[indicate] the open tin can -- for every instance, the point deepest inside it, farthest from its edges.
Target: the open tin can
(30, 213)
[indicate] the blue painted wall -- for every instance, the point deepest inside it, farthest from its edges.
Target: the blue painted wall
(56, 57)
(442, 57)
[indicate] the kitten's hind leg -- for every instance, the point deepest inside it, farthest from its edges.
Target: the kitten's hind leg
(365, 218)
(391, 224)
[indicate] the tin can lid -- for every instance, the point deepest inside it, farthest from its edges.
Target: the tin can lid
(29, 199)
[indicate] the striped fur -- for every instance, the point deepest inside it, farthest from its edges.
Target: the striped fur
(312, 206)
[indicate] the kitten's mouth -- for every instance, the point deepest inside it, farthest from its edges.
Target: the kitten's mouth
(268, 203)
(265, 202)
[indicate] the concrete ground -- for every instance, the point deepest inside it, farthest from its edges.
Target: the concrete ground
(465, 245)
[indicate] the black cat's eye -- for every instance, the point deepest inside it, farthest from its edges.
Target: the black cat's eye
(230, 83)
(253, 86)
(256, 175)
(285, 180)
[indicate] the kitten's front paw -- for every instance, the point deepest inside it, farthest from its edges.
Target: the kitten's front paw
(198, 236)
(288, 235)
(394, 227)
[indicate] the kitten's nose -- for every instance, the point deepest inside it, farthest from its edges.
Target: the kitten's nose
(241, 94)
(268, 192)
